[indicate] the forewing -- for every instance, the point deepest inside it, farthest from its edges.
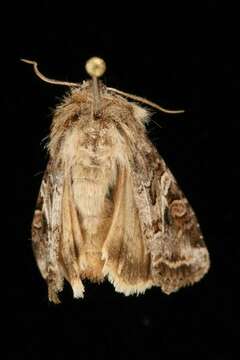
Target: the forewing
(46, 230)
(170, 228)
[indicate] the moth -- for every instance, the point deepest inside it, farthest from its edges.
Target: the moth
(108, 205)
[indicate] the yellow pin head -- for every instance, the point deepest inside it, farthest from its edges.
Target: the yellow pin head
(95, 67)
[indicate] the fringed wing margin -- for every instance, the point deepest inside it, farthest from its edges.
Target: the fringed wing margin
(127, 261)
(179, 256)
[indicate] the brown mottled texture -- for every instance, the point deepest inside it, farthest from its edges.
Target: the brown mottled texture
(108, 205)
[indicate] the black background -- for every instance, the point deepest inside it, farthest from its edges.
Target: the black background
(180, 55)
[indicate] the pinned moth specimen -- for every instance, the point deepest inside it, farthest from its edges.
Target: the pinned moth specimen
(108, 206)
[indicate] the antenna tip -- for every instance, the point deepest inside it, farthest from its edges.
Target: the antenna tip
(95, 66)
(28, 61)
